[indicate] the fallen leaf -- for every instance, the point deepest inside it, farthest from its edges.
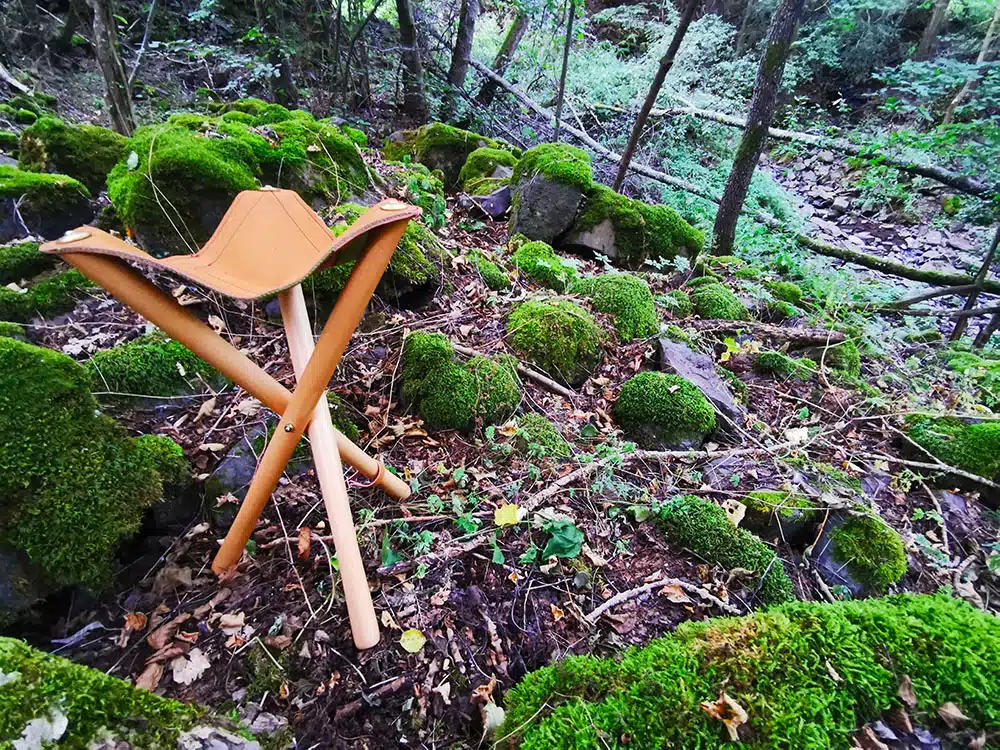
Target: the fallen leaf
(729, 712)
(280, 642)
(675, 594)
(217, 323)
(187, 669)
(213, 447)
(444, 690)
(505, 515)
(952, 715)
(170, 579)
(206, 408)
(797, 435)
(412, 640)
(248, 407)
(493, 717)
(135, 621)
(557, 614)
(150, 677)
(305, 543)
(735, 510)
(232, 623)
(165, 633)
(905, 692)
(595, 559)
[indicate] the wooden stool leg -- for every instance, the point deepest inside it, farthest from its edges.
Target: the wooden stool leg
(326, 457)
(315, 378)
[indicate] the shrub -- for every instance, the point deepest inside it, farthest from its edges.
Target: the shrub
(661, 410)
(150, 365)
(872, 551)
(557, 336)
(807, 674)
(627, 299)
(540, 263)
(85, 152)
(713, 301)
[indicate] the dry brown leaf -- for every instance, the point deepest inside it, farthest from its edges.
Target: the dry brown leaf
(906, 693)
(232, 623)
(135, 621)
(868, 740)
(675, 594)
(952, 715)
(170, 651)
(280, 642)
(150, 677)
(557, 614)
(305, 543)
(217, 323)
(170, 579)
(729, 712)
(165, 633)
(206, 408)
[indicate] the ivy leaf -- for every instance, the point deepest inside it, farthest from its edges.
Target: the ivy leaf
(565, 540)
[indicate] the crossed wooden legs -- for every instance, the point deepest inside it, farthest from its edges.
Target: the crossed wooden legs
(298, 410)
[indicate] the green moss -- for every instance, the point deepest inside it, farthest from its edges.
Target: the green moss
(25, 101)
(8, 112)
(872, 551)
(848, 659)
(983, 373)
(677, 302)
(441, 146)
(492, 275)
(167, 458)
(751, 273)
(42, 195)
(730, 262)
(250, 105)
(85, 152)
(705, 529)
(150, 365)
(826, 477)
(22, 261)
(37, 685)
(700, 281)
(455, 396)
(779, 363)
(9, 141)
(786, 504)
(25, 116)
(50, 297)
(842, 358)
(482, 163)
(785, 291)
(72, 483)
(738, 387)
(557, 336)
(642, 231)
(627, 299)
(969, 446)
(656, 409)
(539, 262)
(535, 432)
(717, 302)
(357, 136)
(237, 116)
(421, 188)
(951, 204)
(924, 336)
(485, 185)
(556, 162)
(678, 335)
(12, 331)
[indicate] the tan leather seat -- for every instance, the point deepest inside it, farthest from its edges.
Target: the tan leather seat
(269, 240)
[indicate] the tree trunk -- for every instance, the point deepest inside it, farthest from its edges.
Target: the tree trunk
(513, 38)
(666, 62)
(987, 331)
(116, 88)
(741, 35)
(928, 40)
(282, 86)
(970, 303)
(571, 11)
(63, 43)
(460, 55)
(414, 99)
(762, 105)
(32, 26)
(970, 85)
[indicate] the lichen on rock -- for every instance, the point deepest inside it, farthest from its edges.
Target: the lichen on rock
(626, 298)
(85, 152)
(664, 412)
(557, 336)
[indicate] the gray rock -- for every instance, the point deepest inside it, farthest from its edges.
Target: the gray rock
(21, 583)
(543, 210)
(840, 205)
(700, 369)
(600, 239)
(214, 738)
(495, 205)
(834, 573)
(17, 221)
(267, 724)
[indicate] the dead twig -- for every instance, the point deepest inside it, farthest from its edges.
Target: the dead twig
(542, 380)
(625, 596)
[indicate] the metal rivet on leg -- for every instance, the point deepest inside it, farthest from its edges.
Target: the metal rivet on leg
(289, 427)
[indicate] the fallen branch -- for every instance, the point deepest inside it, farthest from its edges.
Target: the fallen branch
(625, 596)
(939, 466)
(7, 78)
(542, 380)
(349, 709)
(933, 294)
(798, 335)
(925, 312)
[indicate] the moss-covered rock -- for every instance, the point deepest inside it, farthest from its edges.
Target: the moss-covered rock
(705, 529)
(626, 298)
(442, 147)
(871, 550)
(714, 301)
(549, 184)
(9, 141)
(25, 116)
(664, 412)
(450, 395)
(779, 363)
(486, 164)
(557, 336)
(421, 187)
(785, 291)
(982, 372)
(842, 358)
(21, 261)
(47, 204)
(539, 262)
(808, 675)
(72, 483)
(85, 152)
(52, 296)
(781, 515)
(151, 365)
(631, 232)
(962, 443)
(12, 330)
(492, 275)
(677, 302)
(537, 434)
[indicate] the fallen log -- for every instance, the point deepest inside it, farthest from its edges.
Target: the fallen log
(797, 335)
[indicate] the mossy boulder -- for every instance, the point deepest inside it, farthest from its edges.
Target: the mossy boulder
(9, 141)
(421, 187)
(492, 275)
(664, 412)
(73, 485)
(703, 527)
(785, 291)
(779, 515)
(539, 262)
(676, 302)
(626, 298)
(47, 298)
(45, 204)
(631, 232)
(548, 187)
(557, 336)
(809, 675)
(21, 261)
(441, 147)
(860, 553)
(715, 301)
(12, 330)
(537, 435)
(452, 395)
(485, 170)
(151, 365)
(779, 363)
(85, 152)
(963, 443)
